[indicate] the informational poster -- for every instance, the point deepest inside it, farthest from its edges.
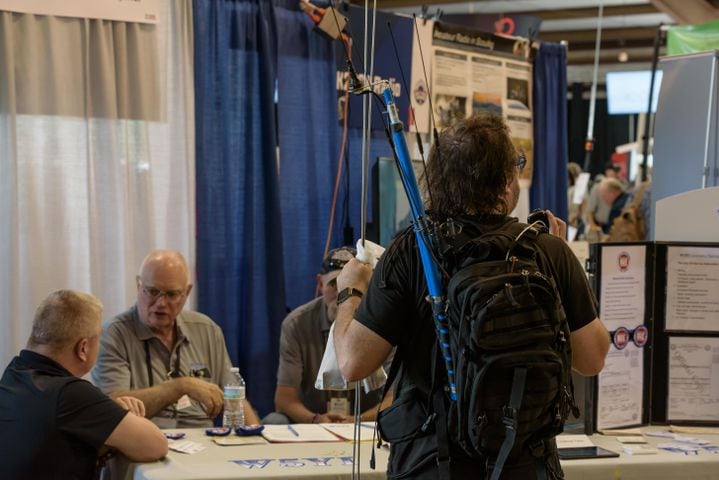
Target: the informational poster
(473, 71)
(693, 392)
(623, 286)
(620, 393)
(692, 289)
(138, 11)
(620, 386)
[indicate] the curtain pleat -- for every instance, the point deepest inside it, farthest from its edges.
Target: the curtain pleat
(549, 182)
(239, 236)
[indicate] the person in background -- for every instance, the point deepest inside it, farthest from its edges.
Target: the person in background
(597, 212)
(613, 193)
(302, 344)
(642, 194)
(54, 424)
(175, 361)
(575, 209)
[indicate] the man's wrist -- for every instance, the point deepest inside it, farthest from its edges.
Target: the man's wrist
(315, 418)
(182, 386)
(348, 293)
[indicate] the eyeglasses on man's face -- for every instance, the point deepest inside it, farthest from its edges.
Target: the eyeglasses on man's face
(521, 162)
(172, 296)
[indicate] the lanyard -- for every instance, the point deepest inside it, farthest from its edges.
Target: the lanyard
(148, 362)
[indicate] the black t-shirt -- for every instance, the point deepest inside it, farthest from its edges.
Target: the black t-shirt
(395, 308)
(51, 422)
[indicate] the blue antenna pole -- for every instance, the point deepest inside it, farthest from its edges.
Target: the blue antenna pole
(420, 225)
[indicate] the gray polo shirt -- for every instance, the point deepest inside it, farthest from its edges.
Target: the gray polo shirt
(127, 342)
(302, 344)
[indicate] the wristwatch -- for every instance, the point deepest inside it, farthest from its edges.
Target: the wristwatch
(347, 293)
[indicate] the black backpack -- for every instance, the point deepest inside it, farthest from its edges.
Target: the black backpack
(509, 339)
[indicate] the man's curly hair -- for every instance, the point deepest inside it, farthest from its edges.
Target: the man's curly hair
(468, 173)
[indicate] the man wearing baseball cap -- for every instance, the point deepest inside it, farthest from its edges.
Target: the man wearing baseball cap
(302, 343)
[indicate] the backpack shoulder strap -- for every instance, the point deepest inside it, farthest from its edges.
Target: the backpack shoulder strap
(509, 419)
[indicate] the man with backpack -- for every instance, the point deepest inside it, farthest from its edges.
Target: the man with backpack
(520, 312)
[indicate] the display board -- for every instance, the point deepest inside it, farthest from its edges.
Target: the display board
(622, 277)
(686, 350)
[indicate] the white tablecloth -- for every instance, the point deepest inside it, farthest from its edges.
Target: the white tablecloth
(312, 460)
(332, 460)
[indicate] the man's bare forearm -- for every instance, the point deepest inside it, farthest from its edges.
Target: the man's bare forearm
(156, 398)
(287, 401)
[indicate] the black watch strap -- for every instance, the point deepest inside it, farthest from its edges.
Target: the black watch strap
(347, 293)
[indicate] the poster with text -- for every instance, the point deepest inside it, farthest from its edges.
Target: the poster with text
(475, 71)
(692, 289)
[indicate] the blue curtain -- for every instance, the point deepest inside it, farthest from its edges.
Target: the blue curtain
(239, 237)
(549, 182)
(309, 138)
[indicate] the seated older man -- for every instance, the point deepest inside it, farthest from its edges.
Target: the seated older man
(175, 361)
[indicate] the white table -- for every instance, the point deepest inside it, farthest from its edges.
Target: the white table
(661, 466)
(311, 460)
(332, 460)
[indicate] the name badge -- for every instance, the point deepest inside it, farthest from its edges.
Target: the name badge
(184, 402)
(339, 405)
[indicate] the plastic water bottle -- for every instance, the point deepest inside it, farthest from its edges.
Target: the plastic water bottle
(234, 391)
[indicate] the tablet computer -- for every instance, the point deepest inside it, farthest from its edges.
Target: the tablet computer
(585, 452)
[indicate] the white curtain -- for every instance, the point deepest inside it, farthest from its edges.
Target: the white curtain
(96, 157)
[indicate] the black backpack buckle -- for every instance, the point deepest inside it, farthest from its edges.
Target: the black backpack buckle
(509, 417)
(428, 422)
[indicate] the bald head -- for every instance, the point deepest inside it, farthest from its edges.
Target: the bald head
(162, 287)
(165, 260)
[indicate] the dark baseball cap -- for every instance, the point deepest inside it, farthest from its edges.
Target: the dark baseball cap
(337, 258)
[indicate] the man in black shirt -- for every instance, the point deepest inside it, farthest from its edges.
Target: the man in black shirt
(474, 175)
(53, 424)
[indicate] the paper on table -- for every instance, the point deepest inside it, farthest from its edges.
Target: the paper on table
(346, 430)
(235, 440)
(679, 438)
(299, 432)
(684, 429)
(186, 446)
(573, 441)
(639, 449)
(632, 439)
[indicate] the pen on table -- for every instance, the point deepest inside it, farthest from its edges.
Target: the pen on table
(294, 432)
